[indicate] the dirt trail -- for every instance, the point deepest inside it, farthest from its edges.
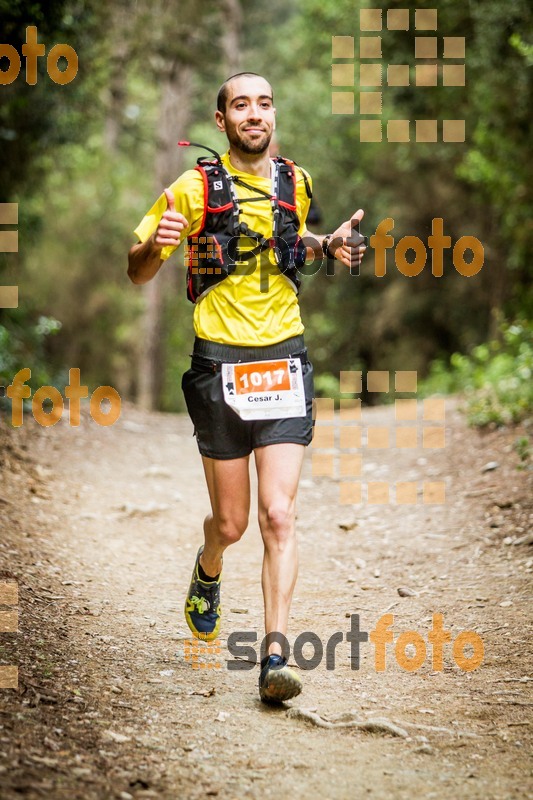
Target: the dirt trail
(101, 526)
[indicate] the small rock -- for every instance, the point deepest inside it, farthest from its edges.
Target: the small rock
(527, 539)
(47, 762)
(156, 471)
(489, 466)
(377, 573)
(133, 427)
(348, 526)
(43, 472)
(506, 604)
(120, 738)
(125, 796)
(425, 748)
(206, 693)
(360, 563)
(405, 591)
(222, 716)
(132, 510)
(239, 610)
(166, 673)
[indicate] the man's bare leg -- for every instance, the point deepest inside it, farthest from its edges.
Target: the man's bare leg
(278, 469)
(228, 483)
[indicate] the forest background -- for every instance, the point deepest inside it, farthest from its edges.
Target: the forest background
(84, 161)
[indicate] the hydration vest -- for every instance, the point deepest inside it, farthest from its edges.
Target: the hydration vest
(216, 250)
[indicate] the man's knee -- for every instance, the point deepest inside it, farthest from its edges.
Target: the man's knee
(277, 521)
(231, 529)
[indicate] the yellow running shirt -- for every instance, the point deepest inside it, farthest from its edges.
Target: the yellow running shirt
(236, 311)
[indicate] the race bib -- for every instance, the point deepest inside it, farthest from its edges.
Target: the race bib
(265, 389)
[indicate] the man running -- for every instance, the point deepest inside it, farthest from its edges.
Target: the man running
(244, 218)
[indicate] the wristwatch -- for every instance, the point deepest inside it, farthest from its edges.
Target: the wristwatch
(325, 244)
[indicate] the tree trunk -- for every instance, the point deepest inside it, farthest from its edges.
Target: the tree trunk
(119, 20)
(231, 35)
(174, 119)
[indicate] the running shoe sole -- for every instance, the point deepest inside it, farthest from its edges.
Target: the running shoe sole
(280, 685)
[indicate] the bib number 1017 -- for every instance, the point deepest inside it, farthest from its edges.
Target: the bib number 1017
(265, 389)
(262, 380)
(262, 376)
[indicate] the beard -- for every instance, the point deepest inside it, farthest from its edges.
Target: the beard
(245, 145)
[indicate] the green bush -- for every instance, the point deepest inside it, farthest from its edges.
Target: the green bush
(23, 344)
(496, 378)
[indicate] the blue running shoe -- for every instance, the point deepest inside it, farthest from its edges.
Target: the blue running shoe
(202, 606)
(277, 682)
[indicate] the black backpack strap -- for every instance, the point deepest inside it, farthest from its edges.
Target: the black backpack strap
(218, 195)
(291, 172)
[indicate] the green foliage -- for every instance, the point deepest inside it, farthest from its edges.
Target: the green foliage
(327, 385)
(522, 446)
(23, 343)
(496, 378)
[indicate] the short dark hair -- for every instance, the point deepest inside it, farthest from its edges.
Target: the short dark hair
(222, 97)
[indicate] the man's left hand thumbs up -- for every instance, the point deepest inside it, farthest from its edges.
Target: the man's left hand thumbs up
(347, 244)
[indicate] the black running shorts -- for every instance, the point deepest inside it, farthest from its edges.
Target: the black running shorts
(219, 431)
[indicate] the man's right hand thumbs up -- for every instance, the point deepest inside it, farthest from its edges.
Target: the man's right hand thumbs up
(171, 224)
(170, 200)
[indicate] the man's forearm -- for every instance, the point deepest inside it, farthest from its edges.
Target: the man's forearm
(313, 244)
(144, 261)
